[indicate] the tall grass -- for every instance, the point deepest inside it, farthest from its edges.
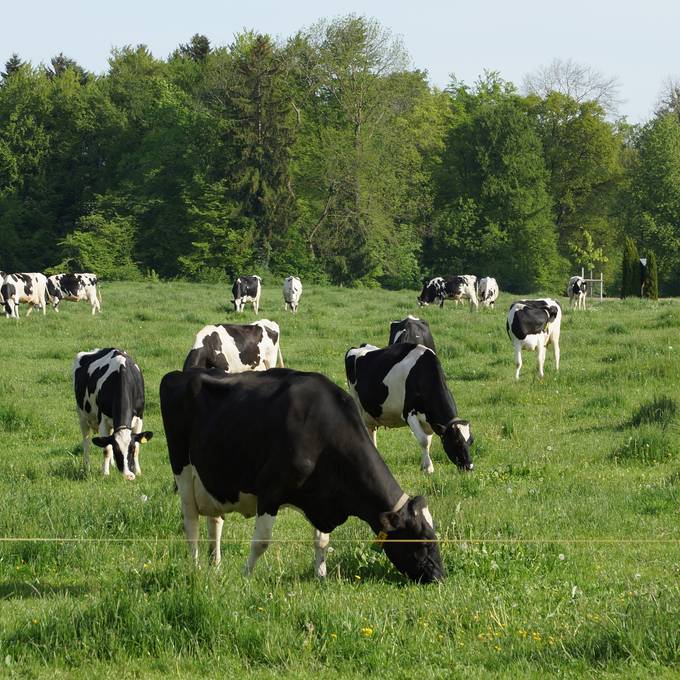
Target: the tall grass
(561, 549)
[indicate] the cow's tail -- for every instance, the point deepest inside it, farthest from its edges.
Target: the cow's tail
(279, 361)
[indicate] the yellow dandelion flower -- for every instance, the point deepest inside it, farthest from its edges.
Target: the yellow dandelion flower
(260, 609)
(357, 577)
(367, 632)
(334, 636)
(536, 636)
(497, 648)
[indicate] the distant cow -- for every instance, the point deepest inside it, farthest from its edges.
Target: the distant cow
(73, 287)
(455, 288)
(577, 289)
(256, 442)
(488, 291)
(246, 289)
(412, 330)
(532, 325)
(292, 290)
(237, 347)
(110, 400)
(17, 288)
(404, 384)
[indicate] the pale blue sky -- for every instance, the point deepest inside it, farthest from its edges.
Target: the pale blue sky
(635, 41)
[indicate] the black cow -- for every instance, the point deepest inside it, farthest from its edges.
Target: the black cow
(237, 347)
(412, 330)
(256, 441)
(454, 288)
(73, 287)
(404, 384)
(110, 400)
(246, 289)
(533, 325)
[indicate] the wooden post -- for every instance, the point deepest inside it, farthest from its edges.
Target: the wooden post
(601, 285)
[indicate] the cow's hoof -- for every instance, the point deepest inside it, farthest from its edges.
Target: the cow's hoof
(428, 470)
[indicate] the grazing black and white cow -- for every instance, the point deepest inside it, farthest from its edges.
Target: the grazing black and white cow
(17, 288)
(455, 288)
(246, 289)
(533, 325)
(237, 347)
(404, 384)
(110, 400)
(254, 443)
(488, 291)
(577, 289)
(292, 290)
(412, 330)
(73, 287)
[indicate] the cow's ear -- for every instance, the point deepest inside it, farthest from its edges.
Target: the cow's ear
(439, 430)
(418, 503)
(143, 437)
(103, 442)
(391, 521)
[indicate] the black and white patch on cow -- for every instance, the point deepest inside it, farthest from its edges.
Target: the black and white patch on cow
(455, 288)
(237, 347)
(577, 289)
(488, 291)
(292, 290)
(109, 391)
(533, 325)
(246, 289)
(73, 287)
(256, 442)
(18, 288)
(404, 384)
(411, 329)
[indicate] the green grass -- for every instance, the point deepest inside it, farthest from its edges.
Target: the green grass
(564, 552)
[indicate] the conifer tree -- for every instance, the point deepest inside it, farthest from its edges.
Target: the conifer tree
(651, 287)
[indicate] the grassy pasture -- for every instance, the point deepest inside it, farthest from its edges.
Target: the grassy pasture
(564, 552)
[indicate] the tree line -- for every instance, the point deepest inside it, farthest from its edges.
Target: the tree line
(329, 156)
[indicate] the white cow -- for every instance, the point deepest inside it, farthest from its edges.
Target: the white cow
(533, 325)
(17, 288)
(292, 290)
(488, 291)
(577, 290)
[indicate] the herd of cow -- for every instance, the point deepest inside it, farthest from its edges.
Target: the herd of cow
(312, 451)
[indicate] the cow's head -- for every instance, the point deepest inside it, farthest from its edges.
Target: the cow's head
(410, 543)
(428, 294)
(125, 445)
(456, 439)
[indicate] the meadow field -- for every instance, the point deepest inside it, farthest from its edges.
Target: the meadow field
(562, 548)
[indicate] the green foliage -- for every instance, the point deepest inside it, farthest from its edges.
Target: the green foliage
(650, 287)
(102, 245)
(493, 192)
(329, 155)
(630, 270)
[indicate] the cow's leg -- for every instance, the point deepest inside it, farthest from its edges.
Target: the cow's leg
(321, 541)
(262, 537)
(85, 430)
(518, 360)
(541, 356)
(556, 344)
(28, 312)
(424, 440)
(373, 434)
(185, 486)
(215, 525)
(105, 431)
(136, 429)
